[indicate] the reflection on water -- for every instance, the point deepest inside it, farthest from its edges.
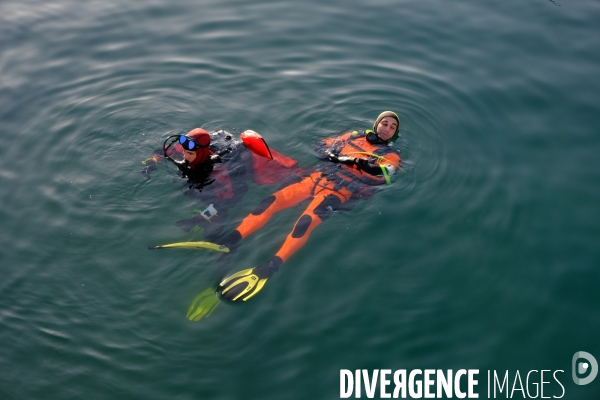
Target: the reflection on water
(476, 257)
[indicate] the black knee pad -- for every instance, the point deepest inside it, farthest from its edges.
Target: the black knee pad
(263, 205)
(330, 204)
(301, 226)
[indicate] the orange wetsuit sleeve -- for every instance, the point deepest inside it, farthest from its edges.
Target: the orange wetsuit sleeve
(391, 158)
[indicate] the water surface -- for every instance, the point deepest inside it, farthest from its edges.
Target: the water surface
(483, 255)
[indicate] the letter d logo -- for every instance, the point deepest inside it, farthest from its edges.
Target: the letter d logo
(583, 367)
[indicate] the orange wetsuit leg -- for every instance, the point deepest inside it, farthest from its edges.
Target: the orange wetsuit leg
(324, 203)
(287, 197)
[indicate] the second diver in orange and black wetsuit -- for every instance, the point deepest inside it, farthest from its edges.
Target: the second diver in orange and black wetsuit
(354, 163)
(217, 168)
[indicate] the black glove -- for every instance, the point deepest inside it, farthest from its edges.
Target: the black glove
(215, 158)
(341, 159)
(150, 166)
(361, 163)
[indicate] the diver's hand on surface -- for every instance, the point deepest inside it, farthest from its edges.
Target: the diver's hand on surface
(361, 162)
(341, 159)
(391, 170)
(347, 160)
(216, 158)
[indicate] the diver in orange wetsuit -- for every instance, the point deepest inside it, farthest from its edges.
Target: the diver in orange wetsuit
(354, 163)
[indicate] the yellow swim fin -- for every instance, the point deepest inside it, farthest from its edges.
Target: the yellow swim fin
(193, 245)
(244, 284)
(203, 305)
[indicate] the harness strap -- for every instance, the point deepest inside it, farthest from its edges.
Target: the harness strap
(317, 181)
(354, 137)
(385, 174)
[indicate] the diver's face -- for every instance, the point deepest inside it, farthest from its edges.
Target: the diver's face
(189, 156)
(386, 128)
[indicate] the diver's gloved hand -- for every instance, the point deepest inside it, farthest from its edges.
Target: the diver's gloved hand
(150, 167)
(333, 157)
(361, 162)
(341, 159)
(347, 160)
(244, 284)
(216, 158)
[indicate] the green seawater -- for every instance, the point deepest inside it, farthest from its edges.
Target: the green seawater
(484, 255)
